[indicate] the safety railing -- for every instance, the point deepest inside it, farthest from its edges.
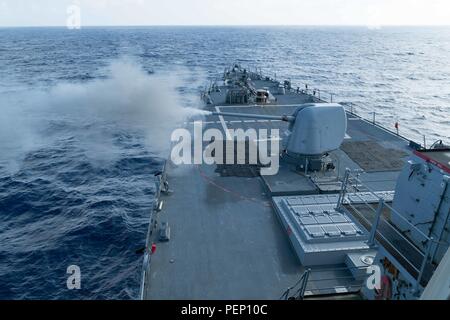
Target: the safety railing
(300, 288)
(145, 271)
(369, 116)
(318, 94)
(146, 264)
(372, 215)
(372, 118)
(325, 96)
(316, 282)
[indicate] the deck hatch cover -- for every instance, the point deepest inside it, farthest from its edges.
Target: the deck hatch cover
(294, 202)
(332, 231)
(315, 231)
(308, 220)
(309, 200)
(301, 210)
(323, 219)
(338, 218)
(348, 229)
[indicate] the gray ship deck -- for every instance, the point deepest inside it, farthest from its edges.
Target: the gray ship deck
(226, 243)
(226, 240)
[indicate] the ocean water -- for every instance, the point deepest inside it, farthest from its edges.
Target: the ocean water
(85, 116)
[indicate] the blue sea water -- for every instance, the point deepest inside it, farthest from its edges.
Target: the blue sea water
(76, 171)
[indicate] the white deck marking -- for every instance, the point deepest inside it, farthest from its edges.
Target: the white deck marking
(341, 290)
(224, 126)
(347, 136)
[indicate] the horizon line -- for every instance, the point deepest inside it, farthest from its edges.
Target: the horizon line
(230, 25)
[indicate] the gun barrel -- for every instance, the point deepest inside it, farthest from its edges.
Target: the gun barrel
(255, 116)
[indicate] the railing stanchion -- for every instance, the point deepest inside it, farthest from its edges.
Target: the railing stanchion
(343, 189)
(376, 223)
(302, 292)
(358, 174)
(424, 264)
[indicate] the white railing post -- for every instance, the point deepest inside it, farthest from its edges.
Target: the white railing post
(424, 264)
(343, 189)
(376, 223)
(304, 285)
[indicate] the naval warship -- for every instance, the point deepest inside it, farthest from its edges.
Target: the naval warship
(354, 210)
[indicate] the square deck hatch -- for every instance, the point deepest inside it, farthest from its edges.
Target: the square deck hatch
(332, 231)
(315, 231)
(348, 230)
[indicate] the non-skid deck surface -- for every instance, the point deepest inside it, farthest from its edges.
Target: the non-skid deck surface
(226, 242)
(373, 157)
